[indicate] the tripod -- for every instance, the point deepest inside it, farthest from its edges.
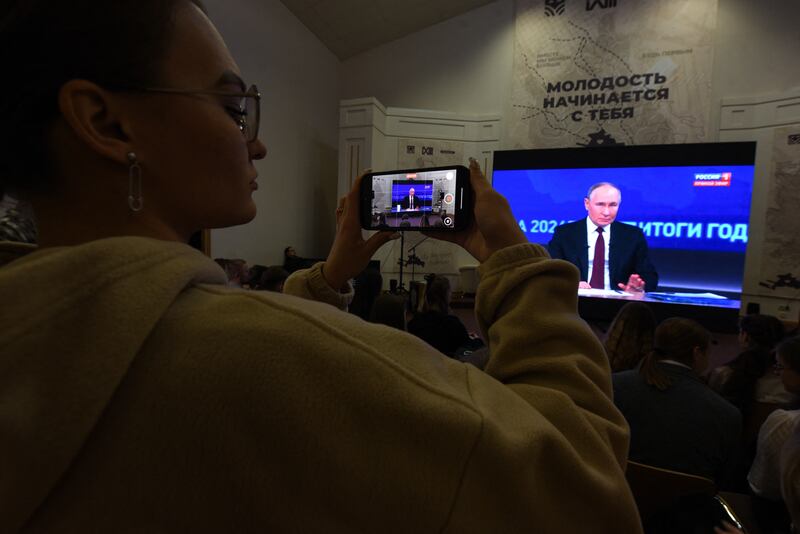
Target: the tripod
(412, 260)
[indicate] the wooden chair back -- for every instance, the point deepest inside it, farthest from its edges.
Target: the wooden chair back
(656, 489)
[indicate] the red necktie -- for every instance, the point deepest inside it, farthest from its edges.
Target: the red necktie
(599, 263)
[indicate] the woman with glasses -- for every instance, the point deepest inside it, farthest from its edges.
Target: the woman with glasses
(138, 393)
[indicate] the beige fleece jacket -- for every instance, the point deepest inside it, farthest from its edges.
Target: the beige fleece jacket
(139, 394)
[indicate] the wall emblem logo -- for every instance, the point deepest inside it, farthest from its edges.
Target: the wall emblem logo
(602, 4)
(714, 179)
(410, 149)
(554, 8)
(794, 139)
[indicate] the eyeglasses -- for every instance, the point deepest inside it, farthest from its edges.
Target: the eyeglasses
(246, 110)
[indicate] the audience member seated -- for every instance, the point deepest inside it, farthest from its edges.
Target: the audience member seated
(272, 279)
(435, 324)
(367, 286)
(737, 380)
(676, 421)
(390, 310)
(404, 222)
(292, 262)
(254, 275)
(764, 477)
(630, 337)
(235, 270)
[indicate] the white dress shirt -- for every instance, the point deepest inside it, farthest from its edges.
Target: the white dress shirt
(591, 239)
(765, 474)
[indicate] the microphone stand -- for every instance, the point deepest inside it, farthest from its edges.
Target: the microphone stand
(413, 259)
(400, 262)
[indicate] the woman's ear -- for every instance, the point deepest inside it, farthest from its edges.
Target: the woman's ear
(96, 117)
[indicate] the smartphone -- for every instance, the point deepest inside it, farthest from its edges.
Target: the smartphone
(434, 198)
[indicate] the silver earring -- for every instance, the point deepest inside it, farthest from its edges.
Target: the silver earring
(135, 200)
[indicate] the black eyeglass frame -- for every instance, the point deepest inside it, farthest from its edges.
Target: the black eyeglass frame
(244, 125)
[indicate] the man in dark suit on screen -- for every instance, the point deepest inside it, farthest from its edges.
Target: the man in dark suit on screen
(609, 254)
(412, 202)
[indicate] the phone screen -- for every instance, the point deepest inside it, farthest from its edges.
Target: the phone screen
(409, 200)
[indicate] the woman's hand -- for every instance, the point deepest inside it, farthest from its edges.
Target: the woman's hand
(350, 253)
(493, 225)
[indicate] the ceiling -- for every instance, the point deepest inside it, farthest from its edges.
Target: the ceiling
(349, 27)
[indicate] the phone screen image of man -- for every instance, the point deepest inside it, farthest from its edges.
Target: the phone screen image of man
(412, 195)
(419, 199)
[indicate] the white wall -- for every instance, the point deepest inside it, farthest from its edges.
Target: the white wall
(461, 65)
(755, 47)
(298, 78)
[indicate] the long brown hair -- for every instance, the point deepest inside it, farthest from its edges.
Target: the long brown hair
(630, 336)
(675, 339)
(437, 294)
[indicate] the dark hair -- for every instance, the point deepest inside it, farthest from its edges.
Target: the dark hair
(273, 278)
(234, 268)
(44, 44)
(390, 310)
(630, 336)
(675, 339)
(789, 350)
(437, 293)
(764, 331)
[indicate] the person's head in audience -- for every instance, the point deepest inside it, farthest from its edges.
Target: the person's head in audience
(272, 279)
(680, 340)
(787, 363)
(235, 269)
(390, 310)
(289, 252)
(760, 332)
(630, 336)
(131, 108)
(254, 275)
(437, 294)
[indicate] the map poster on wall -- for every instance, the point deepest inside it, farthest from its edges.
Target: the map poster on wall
(416, 153)
(780, 259)
(601, 72)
